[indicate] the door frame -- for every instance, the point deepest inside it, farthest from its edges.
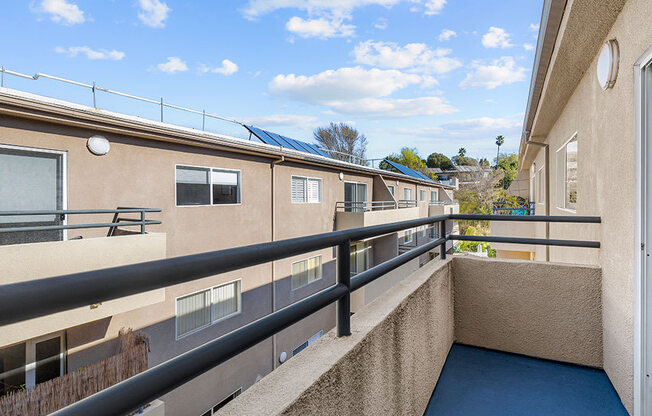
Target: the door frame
(30, 356)
(642, 142)
(64, 175)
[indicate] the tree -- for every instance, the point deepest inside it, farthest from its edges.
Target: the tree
(438, 160)
(499, 142)
(343, 142)
(461, 160)
(508, 164)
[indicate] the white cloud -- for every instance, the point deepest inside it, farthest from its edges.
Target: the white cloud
(499, 72)
(496, 38)
(61, 11)
(173, 65)
(534, 27)
(414, 56)
(334, 8)
(309, 122)
(341, 84)
(428, 82)
(381, 23)
(228, 68)
(393, 107)
(528, 46)
(447, 34)
(360, 92)
(482, 123)
(319, 28)
(73, 51)
(434, 6)
(153, 12)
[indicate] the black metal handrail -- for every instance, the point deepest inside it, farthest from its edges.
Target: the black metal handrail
(20, 301)
(116, 222)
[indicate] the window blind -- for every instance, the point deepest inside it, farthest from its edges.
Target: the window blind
(226, 300)
(193, 312)
(298, 189)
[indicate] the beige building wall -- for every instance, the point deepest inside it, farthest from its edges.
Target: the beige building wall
(603, 122)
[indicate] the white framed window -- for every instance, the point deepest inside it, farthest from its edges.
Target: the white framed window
(201, 186)
(423, 229)
(422, 195)
(306, 271)
(434, 196)
(31, 362)
(567, 175)
(308, 342)
(407, 194)
(433, 231)
(306, 190)
(392, 189)
(213, 410)
(360, 257)
(408, 237)
(206, 307)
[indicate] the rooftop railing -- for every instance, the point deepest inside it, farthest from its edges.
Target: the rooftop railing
(26, 300)
(60, 215)
(407, 203)
(449, 202)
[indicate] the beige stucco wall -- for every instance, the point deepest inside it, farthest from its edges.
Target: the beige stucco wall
(540, 309)
(604, 122)
(27, 262)
(369, 372)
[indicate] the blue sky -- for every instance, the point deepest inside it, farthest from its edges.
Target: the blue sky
(432, 74)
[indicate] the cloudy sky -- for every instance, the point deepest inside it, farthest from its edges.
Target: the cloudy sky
(432, 74)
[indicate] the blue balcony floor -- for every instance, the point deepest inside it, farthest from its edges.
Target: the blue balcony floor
(482, 382)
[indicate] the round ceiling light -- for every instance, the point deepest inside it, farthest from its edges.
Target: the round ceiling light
(607, 68)
(98, 145)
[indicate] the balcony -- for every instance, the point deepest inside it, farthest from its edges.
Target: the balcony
(27, 262)
(363, 214)
(489, 337)
(515, 229)
(390, 355)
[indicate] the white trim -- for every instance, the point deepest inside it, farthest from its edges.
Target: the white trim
(321, 273)
(210, 184)
(563, 207)
(64, 175)
(641, 142)
(212, 322)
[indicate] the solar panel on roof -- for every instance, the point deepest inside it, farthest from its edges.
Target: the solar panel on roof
(268, 137)
(264, 137)
(407, 171)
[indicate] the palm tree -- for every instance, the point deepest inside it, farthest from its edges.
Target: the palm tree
(461, 152)
(499, 142)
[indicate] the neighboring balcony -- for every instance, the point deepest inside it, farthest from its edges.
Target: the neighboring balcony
(362, 214)
(127, 242)
(515, 229)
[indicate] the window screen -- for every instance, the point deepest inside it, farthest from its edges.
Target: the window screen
(299, 189)
(226, 300)
(193, 312)
(433, 196)
(314, 190)
(566, 184)
(391, 188)
(193, 186)
(226, 186)
(422, 195)
(407, 193)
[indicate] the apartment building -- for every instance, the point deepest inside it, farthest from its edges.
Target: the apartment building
(209, 192)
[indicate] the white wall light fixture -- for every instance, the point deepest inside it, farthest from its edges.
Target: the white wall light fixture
(607, 68)
(98, 145)
(282, 357)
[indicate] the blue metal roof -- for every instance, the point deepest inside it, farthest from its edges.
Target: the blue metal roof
(407, 171)
(277, 140)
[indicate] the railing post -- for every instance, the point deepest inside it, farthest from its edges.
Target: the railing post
(142, 222)
(344, 277)
(161, 109)
(203, 120)
(94, 99)
(3, 77)
(442, 234)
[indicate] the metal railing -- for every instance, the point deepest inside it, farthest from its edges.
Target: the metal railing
(117, 221)
(407, 203)
(499, 208)
(26, 300)
(449, 202)
(364, 206)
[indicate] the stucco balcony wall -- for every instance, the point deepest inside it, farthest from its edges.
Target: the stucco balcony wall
(27, 262)
(391, 362)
